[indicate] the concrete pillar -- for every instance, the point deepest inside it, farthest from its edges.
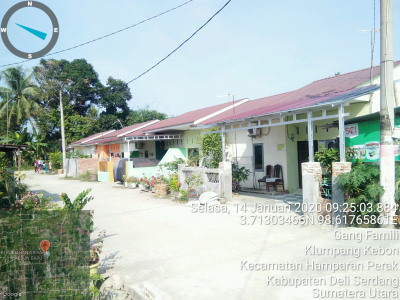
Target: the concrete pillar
(337, 195)
(312, 176)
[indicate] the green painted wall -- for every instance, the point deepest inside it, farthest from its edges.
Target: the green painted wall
(103, 176)
(367, 144)
(190, 140)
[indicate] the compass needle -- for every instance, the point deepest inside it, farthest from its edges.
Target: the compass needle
(38, 33)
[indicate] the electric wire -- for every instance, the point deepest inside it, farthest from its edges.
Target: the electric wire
(104, 36)
(180, 44)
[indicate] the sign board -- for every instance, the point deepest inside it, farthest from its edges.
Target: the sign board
(351, 130)
(363, 141)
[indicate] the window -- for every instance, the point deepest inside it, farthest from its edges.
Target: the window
(258, 153)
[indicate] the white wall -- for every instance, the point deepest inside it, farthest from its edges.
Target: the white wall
(270, 140)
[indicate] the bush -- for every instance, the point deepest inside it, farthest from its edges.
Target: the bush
(239, 175)
(362, 187)
(56, 160)
(174, 184)
(34, 201)
(173, 165)
(210, 148)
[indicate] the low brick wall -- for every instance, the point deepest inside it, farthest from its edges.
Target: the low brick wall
(90, 164)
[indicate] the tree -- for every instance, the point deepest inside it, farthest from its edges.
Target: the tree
(115, 97)
(21, 94)
(144, 114)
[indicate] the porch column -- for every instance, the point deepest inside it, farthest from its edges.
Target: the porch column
(310, 137)
(223, 142)
(342, 150)
(109, 152)
(129, 152)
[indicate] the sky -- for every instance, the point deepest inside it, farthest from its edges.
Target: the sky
(252, 48)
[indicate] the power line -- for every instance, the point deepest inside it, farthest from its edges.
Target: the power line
(102, 37)
(180, 44)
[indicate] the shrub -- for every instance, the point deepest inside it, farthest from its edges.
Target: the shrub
(34, 201)
(239, 175)
(210, 148)
(174, 184)
(79, 202)
(184, 195)
(173, 165)
(362, 186)
(56, 160)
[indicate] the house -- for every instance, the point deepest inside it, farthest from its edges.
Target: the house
(276, 129)
(267, 131)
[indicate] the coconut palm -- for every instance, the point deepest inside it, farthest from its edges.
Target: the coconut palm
(22, 100)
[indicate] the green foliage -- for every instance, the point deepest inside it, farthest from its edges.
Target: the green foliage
(95, 278)
(21, 95)
(36, 201)
(239, 175)
(210, 148)
(144, 114)
(173, 165)
(326, 157)
(56, 160)
(174, 184)
(79, 202)
(85, 176)
(397, 180)
(195, 182)
(361, 185)
(184, 195)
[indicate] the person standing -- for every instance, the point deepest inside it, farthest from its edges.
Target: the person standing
(36, 166)
(50, 166)
(45, 167)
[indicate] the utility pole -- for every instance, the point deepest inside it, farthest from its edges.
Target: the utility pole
(387, 170)
(63, 133)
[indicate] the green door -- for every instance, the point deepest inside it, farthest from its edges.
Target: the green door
(160, 151)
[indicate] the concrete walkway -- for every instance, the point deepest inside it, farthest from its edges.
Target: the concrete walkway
(162, 247)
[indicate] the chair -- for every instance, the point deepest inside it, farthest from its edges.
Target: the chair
(278, 173)
(268, 174)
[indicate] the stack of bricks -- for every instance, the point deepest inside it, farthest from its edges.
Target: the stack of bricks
(312, 168)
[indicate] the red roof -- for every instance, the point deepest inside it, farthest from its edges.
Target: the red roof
(90, 137)
(121, 131)
(298, 98)
(189, 117)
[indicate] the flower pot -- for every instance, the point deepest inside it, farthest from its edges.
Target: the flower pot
(93, 268)
(132, 185)
(153, 189)
(126, 184)
(141, 186)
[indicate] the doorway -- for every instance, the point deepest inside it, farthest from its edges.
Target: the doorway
(160, 151)
(302, 156)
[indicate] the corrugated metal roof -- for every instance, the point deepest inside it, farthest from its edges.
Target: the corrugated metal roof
(305, 96)
(118, 132)
(90, 137)
(189, 117)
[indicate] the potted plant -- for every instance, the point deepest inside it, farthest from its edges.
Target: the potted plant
(124, 178)
(132, 182)
(95, 252)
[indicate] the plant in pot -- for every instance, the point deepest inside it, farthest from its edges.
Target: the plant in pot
(125, 178)
(143, 181)
(95, 252)
(132, 182)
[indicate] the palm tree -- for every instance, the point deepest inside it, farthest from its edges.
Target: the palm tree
(21, 95)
